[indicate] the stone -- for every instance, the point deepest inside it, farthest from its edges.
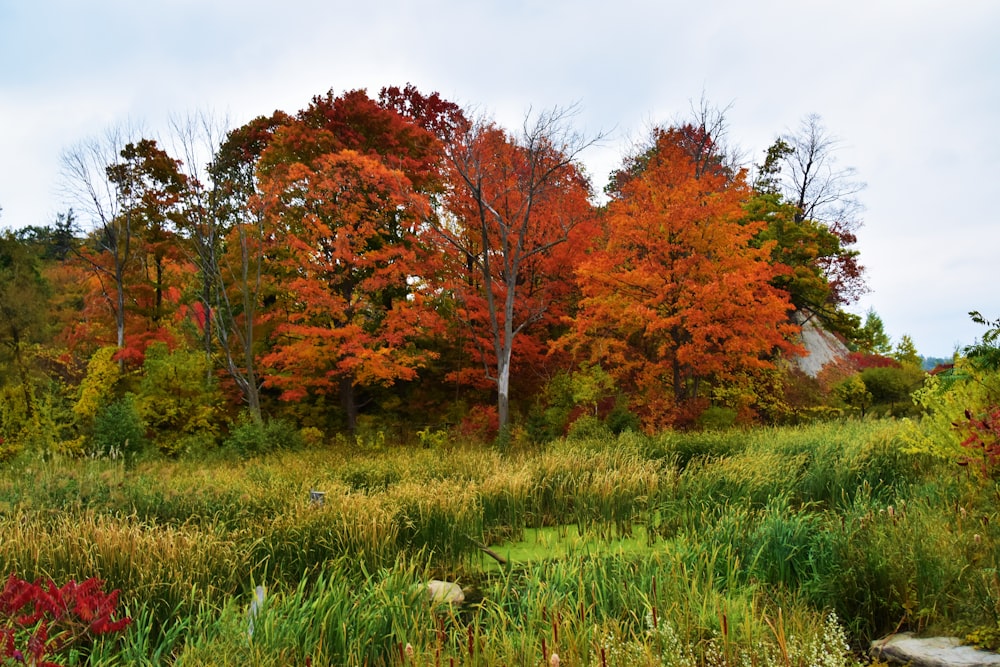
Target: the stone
(823, 347)
(906, 648)
(444, 592)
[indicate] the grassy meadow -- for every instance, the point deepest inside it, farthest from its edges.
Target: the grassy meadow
(791, 546)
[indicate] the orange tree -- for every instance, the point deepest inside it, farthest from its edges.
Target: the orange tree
(348, 264)
(680, 298)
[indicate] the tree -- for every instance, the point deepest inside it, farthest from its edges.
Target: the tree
(801, 246)
(679, 296)
(891, 386)
(985, 353)
(234, 218)
(871, 337)
(906, 352)
(152, 189)
(351, 273)
(131, 189)
(854, 392)
(202, 227)
(514, 200)
(85, 171)
(23, 299)
(824, 192)
(54, 242)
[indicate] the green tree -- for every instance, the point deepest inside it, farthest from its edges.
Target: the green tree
(985, 353)
(825, 192)
(804, 246)
(871, 337)
(23, 298)
(906, 352)
(891, 386)
(118, 430)
(854, 393)
(177, 400)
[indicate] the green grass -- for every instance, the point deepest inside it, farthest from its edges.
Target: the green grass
(679, 549)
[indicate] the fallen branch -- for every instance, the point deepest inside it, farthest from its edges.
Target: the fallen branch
(485, 549)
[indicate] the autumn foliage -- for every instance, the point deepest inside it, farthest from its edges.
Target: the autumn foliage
(679, 299)
(39, 620)
(351, 261)
(393, 259)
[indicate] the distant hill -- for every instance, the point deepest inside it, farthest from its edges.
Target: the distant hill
(930, 363)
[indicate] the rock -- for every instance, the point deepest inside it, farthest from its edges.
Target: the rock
(931, 652)
(444, 592)
(823, 347)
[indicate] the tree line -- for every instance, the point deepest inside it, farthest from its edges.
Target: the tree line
(396, 258)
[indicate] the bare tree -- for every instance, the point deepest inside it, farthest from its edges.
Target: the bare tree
(196, 138)
(825, 192)
(821, 189)
(503, 182)
(87, 182)
(240, 238)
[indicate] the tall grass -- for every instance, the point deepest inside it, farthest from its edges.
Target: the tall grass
(753, 537)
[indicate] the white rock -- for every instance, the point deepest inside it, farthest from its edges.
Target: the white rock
(931, 652)
(446, 592)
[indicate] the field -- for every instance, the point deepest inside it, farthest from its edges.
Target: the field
(793, 546)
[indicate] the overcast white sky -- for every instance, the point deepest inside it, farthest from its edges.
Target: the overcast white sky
(911, 87)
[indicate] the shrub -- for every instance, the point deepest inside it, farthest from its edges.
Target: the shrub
(953, 406)
(118, 430)
(717, 418)
(177, 398)
(312, 436)
(250, 438)
(45, 620)
(589, 427)
(620, 419)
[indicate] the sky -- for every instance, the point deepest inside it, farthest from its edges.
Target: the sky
(910, 88)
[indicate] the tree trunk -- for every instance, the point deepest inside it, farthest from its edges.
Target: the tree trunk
(348, 404)
(503, 393)
(120, 317)
(253, 393)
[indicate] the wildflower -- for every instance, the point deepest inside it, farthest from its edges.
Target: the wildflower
(408, 650)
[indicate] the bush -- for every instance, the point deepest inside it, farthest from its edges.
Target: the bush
(250, 438)
(620, 420)
(118, 430)
(717, 418)
(589, 427)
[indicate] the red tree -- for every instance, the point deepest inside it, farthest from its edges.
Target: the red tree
(513, 202)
